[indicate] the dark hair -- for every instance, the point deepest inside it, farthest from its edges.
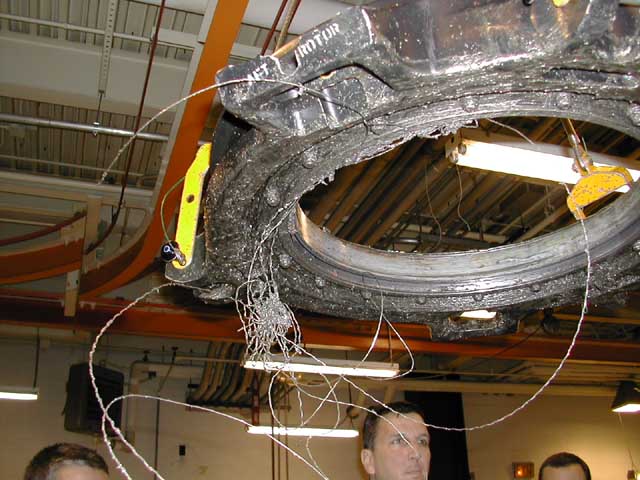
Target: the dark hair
(564, 459)
(50, 458)
(373, 419)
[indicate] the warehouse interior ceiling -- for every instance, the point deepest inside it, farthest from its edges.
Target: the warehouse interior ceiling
(71, 82)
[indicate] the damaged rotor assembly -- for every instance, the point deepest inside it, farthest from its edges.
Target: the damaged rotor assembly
(377, 76)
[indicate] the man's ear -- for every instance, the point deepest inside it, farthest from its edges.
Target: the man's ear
(366, 457)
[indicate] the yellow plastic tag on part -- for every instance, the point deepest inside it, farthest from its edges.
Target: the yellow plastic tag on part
(190, 204)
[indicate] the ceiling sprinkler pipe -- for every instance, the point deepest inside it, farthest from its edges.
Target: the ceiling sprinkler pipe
(262, 12)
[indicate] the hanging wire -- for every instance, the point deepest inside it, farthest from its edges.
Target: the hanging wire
(164, 198)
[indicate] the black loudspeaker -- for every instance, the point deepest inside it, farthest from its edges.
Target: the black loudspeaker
(82, 413)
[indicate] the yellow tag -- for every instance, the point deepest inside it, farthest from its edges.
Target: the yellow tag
(190, 204)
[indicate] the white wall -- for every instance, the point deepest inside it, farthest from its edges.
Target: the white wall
(220, 449)
(216, 448)
(581, 425)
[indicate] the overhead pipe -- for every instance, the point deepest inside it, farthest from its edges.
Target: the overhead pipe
(261, 12)
(39, 161)
(494, 388)
(74, 28)
(287, 24)
(233, 375)
(274, 25)
(67, 186)
(216, 381)
(225, 375)
(212, 352)
(244, 386)
(239, 50)
(82, 127)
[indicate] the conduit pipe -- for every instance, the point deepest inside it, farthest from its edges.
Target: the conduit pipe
(74, 28)
(244, 386)
(274, 25)
(82, 127)
(216, 382)
(232, 376)
(205, 380)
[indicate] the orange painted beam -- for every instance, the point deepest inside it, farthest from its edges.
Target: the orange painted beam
(128, 265)
(222, 323)
(35, 264)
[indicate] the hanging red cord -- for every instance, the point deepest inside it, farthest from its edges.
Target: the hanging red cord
(41, 233)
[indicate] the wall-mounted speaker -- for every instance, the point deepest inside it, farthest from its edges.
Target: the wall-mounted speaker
(82, 413)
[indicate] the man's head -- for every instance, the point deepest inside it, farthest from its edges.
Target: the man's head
(395, 445)
(67, 461)
(564, 466)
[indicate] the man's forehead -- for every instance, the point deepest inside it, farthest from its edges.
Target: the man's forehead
(405, 423)
(568, 472)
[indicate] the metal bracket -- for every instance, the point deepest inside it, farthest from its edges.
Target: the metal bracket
(596, 183)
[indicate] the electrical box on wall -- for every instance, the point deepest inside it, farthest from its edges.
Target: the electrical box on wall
(522, 470)
(82, 414)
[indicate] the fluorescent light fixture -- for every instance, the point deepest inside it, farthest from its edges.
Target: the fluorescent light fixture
(351, 368)
(527, 160)
(479, 314)
(303, 431)
(18, 393)
(627, 398)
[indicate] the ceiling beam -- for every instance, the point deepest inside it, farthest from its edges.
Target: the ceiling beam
(378, 188)
(360, 188)
(550, 219)
(402, 200)
(41, 78)
(493, 387)
(207, 323)
(394, 194)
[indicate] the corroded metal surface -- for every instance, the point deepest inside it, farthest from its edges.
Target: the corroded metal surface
(383, 74)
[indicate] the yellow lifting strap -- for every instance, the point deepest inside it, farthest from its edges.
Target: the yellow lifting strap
(190, 205)
(596, 182)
